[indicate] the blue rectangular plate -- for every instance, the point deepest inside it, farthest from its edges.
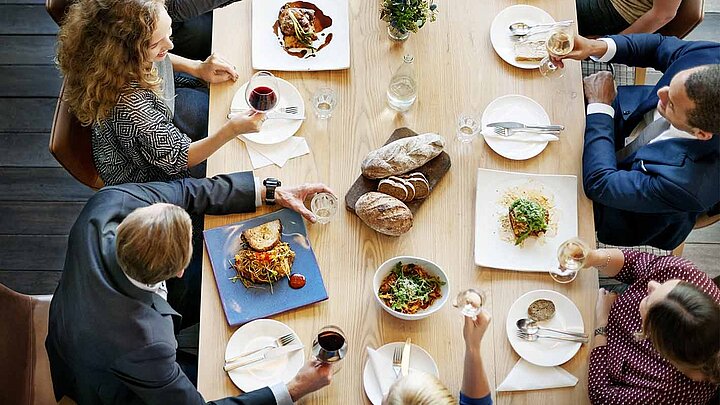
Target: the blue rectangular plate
(242, 304)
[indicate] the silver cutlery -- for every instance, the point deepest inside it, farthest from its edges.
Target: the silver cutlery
(531, 327)
(533, 338)
(518, 125)
(287, 110)
(279, 116)
(397, 360)
(405, 363)
(270, 354)
(520, 29)
(283, 340)
(508, 132)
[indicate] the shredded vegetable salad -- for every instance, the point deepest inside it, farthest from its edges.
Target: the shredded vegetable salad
(254, 267)
(409, 288)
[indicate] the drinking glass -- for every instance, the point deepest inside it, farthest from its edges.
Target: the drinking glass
(261, 93)
(560, 43)
(324, 101)
(324, 206)
(571, 255)
(330, 346)
(470, 302)
(467, 128)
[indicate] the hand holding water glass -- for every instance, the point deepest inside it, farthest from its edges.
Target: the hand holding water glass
(324, 206)
(470, 302)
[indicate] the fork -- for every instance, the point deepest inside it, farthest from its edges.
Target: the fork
(397, 361)
(535, 337)
(283, 340)
(286, 110)
(507, 131)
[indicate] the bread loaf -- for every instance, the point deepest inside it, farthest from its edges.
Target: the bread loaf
(384, 213)
(402, 156)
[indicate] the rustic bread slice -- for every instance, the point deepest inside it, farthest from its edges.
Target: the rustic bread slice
(393, 188)
(408, 186)
(263, 237)
(421, 185)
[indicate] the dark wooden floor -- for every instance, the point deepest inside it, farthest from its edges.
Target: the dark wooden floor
(39, 201)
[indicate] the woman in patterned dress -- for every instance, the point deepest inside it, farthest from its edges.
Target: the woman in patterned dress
(147, 108)
(658, 342)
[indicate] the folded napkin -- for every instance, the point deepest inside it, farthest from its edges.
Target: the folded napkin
(279, 153)
(383, 370)
(489, 132)
(528, 376)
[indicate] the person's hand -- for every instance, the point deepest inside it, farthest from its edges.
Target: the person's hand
(215, 69)
(246, 122)
(583, 48)
(600, 88)
(473, 331)
(294, 197)
(311, 377)
(605, 301)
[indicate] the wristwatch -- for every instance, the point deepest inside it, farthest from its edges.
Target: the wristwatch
(601, 331)
(271, 184)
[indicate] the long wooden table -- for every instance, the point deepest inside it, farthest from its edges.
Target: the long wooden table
(458, 71)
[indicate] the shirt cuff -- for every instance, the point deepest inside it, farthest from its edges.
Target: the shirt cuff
(281, 394)
(595, 108)
(258, 197)
(609, 54)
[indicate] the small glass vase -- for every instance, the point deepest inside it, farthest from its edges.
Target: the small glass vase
(397, 35)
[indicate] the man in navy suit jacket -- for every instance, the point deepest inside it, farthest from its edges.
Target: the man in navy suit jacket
(652, 194)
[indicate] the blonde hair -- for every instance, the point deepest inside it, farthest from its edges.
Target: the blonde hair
(154, 243)
(103, 49)
(419, 389)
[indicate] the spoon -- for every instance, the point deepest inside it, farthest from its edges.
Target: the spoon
(531, 327)
(534, 338)
(520, 29)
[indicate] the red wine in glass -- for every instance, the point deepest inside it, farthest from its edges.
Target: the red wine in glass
(262, 98)
(330, 345)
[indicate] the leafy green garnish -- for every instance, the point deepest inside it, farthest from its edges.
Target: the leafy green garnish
(306, 38)
(410, 288)
(530, 213)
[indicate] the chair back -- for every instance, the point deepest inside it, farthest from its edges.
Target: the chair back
(25, 371)
(688, 16)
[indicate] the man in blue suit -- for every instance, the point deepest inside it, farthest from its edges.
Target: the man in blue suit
(651, 160)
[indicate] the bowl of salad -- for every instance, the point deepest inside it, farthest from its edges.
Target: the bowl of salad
(410, 288)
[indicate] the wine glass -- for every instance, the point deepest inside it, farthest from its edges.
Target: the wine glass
(470, 302)
(560, 43)
(572, 255)
(261, 93)
(330, 346)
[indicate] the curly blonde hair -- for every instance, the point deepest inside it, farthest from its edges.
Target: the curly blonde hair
(102, 49)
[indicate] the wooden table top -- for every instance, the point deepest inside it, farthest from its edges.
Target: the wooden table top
(458, 71)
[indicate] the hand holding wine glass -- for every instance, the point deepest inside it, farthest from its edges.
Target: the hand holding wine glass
(559, 44)
(261, 93)
(330, 346)
(572, 255)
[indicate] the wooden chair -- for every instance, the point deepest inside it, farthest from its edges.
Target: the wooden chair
(688, 16)
(70, 141)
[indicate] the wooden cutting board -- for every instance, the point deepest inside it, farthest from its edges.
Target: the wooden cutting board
(433, 170)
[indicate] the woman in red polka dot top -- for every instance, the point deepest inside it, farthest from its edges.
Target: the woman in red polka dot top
(658, 342)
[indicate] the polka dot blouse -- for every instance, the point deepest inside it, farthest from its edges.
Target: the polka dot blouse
(626, 371)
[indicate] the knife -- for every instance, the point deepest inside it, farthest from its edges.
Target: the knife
(518, 126)
(270, 354)
(405, 363)
(273, 115)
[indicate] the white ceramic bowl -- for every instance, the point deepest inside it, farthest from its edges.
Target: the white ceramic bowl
(430, 267)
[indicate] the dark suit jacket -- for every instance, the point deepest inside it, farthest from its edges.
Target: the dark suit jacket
(654, 196)
(110, 342)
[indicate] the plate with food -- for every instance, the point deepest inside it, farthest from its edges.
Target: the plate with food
(521, 219)
(410, 288)
(300, 35)
(549, 309)
(273, 130)
(514, 107)
(525, 54)
(264, 266)
(261, 335)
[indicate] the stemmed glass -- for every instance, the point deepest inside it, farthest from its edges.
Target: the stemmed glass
(261, 93)
(330, 346)
(470, 302)
(572, 255)
(560, 43)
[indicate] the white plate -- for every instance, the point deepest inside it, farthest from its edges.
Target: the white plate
(495, 247)
(419, 360)
(268, 54)
(254, 335)
(274, 130)
(545, 352)
(500, 33)
(514, 107)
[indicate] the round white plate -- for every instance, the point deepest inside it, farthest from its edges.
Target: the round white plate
(274, 130)
(500, 33)
(419, 360)
(254, 335)
(516, 108)
(545, 352)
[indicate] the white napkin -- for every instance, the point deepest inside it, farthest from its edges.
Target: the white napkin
(279, 153)
(528, 376)
(489, 132)
(382, 370)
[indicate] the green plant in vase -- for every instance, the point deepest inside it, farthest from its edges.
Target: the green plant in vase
(406, 16)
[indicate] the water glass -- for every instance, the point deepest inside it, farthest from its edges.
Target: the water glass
(571, 255)
(324, 206)
(467, 128)
(470, 302)
(324, 101)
